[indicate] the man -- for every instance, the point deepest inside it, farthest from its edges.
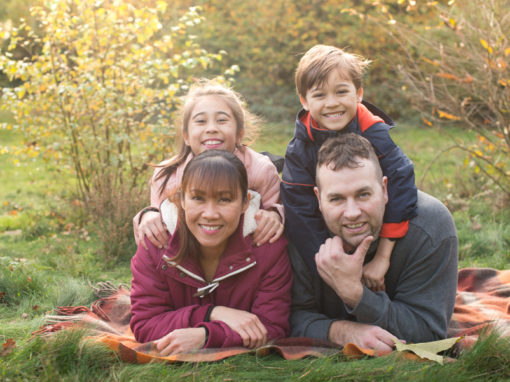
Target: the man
(420, 285)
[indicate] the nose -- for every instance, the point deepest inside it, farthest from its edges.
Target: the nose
(211, 126)
(352, 210)
(331, 100)
(210, 210)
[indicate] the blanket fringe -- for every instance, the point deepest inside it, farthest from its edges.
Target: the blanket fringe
(107, 288)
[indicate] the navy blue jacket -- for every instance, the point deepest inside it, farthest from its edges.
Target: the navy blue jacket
(304, 224)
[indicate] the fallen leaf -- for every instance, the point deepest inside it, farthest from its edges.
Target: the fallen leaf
(7, 347)
(2, 294)
(428, 350)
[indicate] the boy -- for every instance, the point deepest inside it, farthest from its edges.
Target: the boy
(329, 86)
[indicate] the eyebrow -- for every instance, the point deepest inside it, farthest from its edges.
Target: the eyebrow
(218, 112)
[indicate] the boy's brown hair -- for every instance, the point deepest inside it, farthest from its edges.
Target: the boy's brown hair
(316, 65)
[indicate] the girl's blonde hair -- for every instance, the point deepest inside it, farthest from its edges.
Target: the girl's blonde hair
(246, 122)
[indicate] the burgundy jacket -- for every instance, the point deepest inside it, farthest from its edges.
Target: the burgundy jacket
(165, 296)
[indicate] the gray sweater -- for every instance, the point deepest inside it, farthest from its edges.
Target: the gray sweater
(421, 284)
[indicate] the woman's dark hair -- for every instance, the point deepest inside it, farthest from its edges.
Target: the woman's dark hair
(210, 170)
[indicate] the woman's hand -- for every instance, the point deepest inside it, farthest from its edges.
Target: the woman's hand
(246, 324)
(269, 227)
(181, 341)
(153, 227)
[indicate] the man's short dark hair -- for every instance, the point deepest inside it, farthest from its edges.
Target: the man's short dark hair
(344, 150)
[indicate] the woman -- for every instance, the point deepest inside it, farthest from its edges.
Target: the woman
(211, 286)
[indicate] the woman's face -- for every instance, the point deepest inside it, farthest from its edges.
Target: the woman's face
(212, 215)
(212, 125)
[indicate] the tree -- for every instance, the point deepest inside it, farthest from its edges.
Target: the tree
(99, 89)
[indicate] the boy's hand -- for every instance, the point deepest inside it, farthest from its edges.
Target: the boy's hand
(269, 227)
(374, 271)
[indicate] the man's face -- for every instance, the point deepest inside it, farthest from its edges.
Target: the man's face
(352, 201)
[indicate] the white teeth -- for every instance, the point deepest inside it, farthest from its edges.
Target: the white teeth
(213, 142)
(353, 226)
(335, 115)
(210, 227)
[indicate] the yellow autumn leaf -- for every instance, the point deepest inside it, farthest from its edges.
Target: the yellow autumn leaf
(507, 51)
(427, 122)
(443, 114)
(428, 350)
(486, 46)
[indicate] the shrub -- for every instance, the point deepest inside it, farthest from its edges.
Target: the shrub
(100, 85)
(461, 75)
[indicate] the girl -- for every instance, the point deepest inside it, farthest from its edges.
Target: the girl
(213, 117)
(210, 287)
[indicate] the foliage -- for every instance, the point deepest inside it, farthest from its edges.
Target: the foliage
(461, 74)
(99, 90)
(266, 38)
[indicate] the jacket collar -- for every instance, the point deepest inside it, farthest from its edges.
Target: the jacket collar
(236, 259)
(367, 114)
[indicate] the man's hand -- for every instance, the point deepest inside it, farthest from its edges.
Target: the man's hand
(341, 271)
(246, 324)
(181, 341)
(153, 227)
(269, 227)
(363, 335)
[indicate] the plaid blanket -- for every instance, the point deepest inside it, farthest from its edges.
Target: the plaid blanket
(482, 303)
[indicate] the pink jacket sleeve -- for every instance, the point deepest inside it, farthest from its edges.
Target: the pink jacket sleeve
(263, 178)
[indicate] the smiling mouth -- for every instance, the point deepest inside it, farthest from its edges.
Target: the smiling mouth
(212, 142)
(334, 115)
(210, 228)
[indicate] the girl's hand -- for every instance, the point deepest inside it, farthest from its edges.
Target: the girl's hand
(269, 227)
(181, 341)
(153, 227)
(246, 324)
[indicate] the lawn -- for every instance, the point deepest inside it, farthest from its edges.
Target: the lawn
(48, 256)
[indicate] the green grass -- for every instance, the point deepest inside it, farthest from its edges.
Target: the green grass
(48, 255)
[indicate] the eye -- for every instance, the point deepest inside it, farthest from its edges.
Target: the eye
(200, 121)
(222, 120)
(197, 198)
(341, 91)
(318, 95)
(364, 195)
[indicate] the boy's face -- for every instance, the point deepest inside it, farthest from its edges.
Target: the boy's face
(333, 104)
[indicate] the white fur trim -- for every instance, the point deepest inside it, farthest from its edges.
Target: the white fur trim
(169, 214)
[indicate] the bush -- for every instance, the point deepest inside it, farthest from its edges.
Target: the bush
(99, 90)
(460, 74)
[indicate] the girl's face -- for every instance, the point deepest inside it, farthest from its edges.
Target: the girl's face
(212, 215)
(212, 126)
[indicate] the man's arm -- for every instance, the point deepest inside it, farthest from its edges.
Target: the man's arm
(422, 294)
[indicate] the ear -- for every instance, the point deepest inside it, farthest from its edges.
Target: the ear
(303, 103)
(384, 186)
(318, 195)
(359, 95)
